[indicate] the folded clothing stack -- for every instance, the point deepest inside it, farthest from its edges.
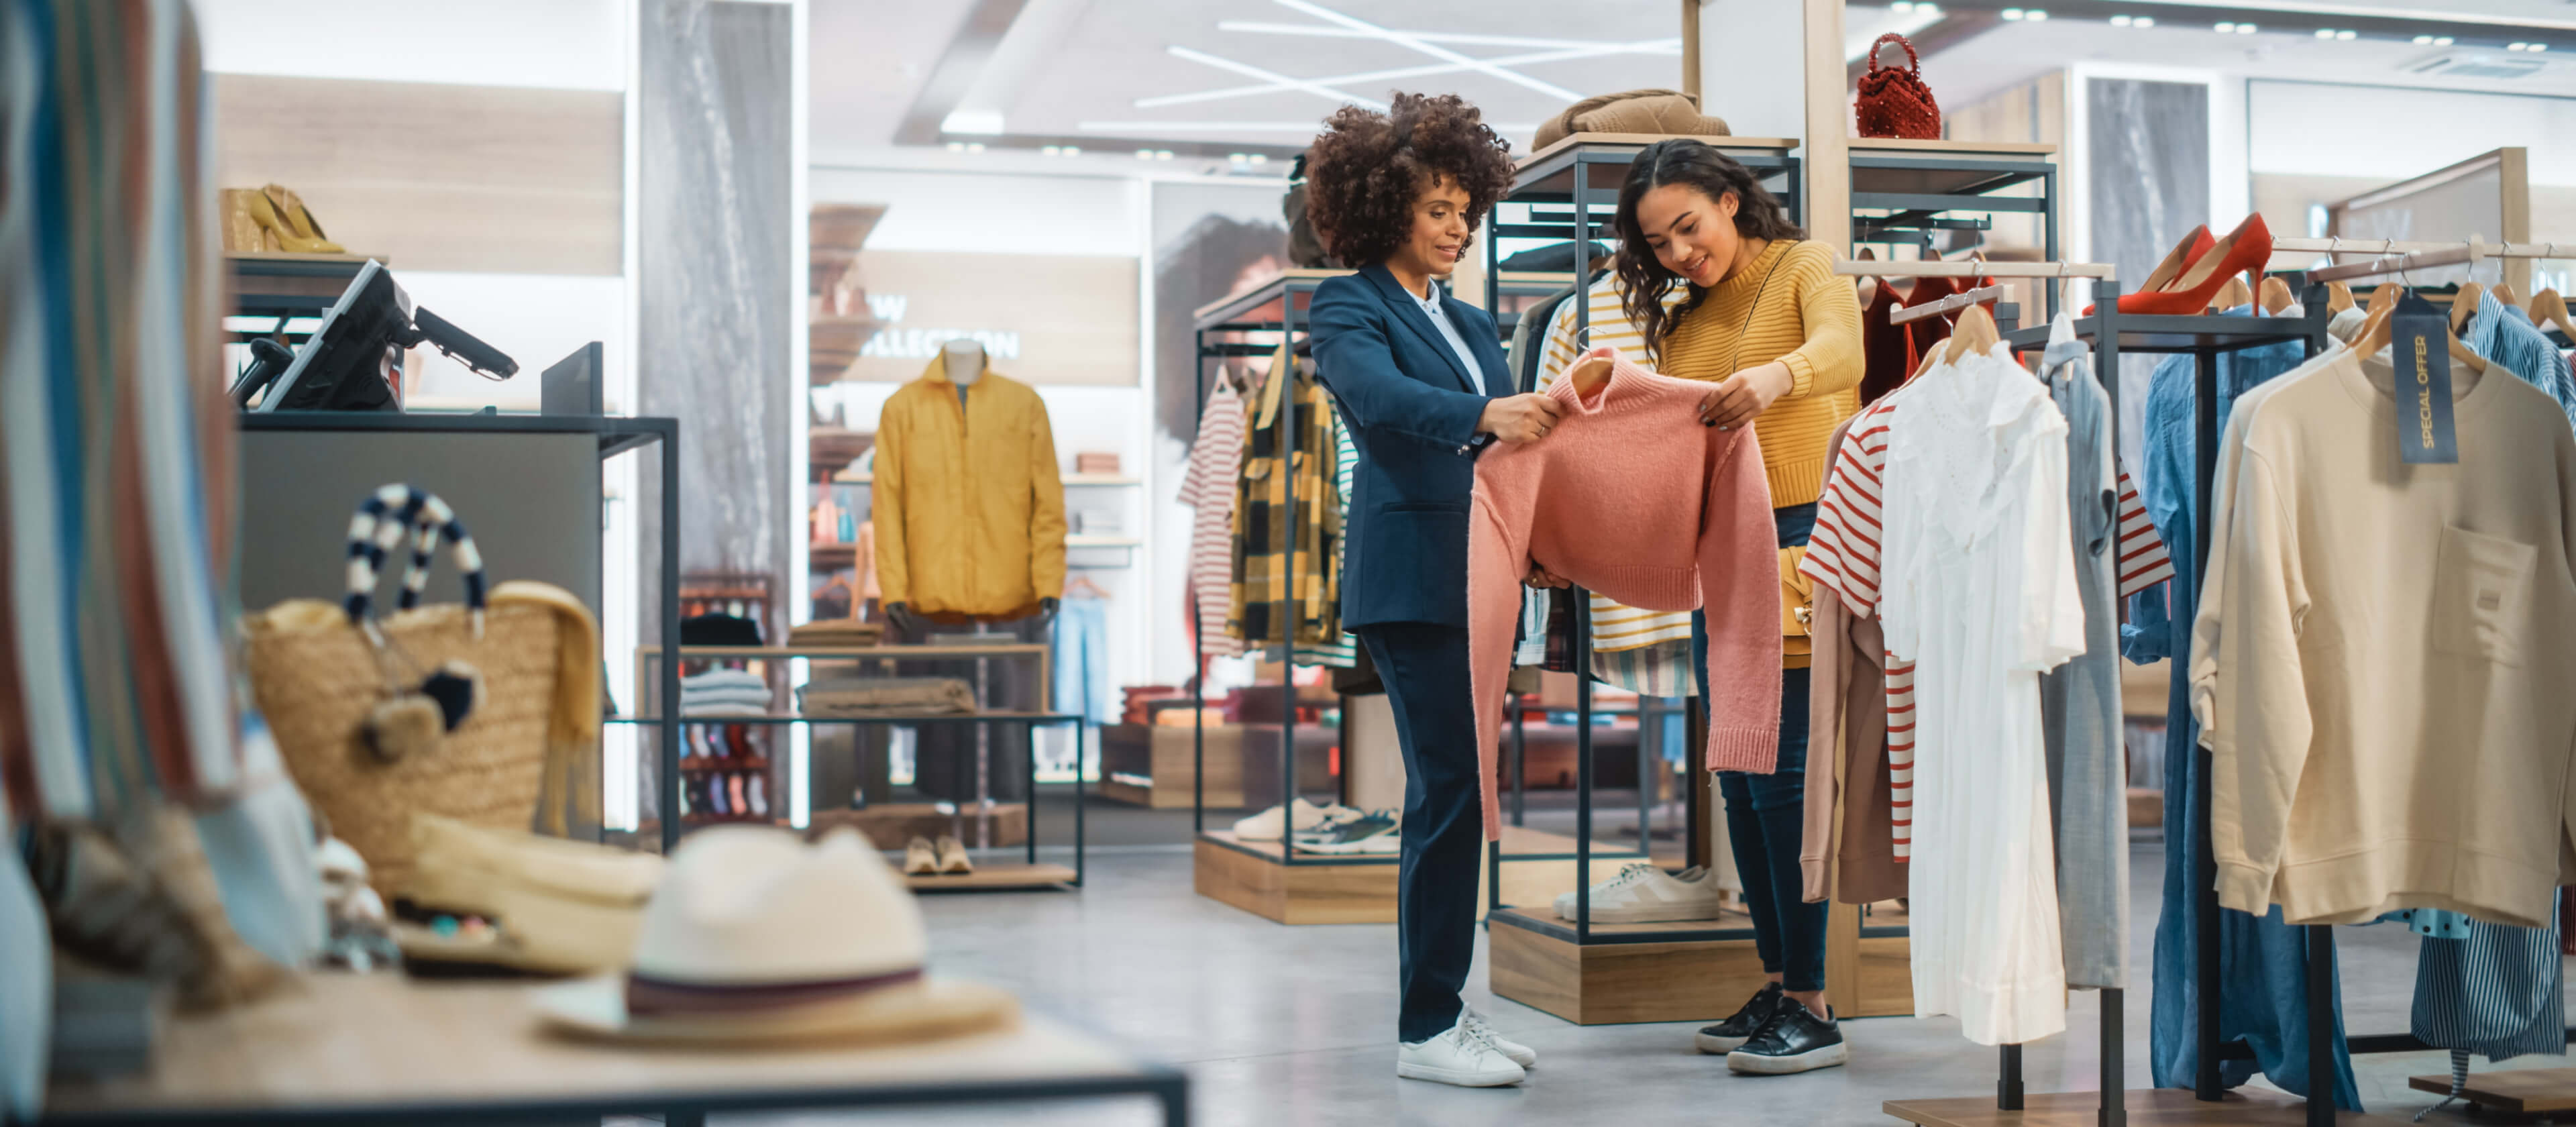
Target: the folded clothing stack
(724, 692)
(887, 696)
(837, 632)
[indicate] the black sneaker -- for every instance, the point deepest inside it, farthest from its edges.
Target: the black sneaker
(1795, 1041)
(1731, 1034)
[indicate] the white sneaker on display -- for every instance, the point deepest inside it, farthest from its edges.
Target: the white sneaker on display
(1520, 1054)
(1643, 893)
(1466, 1056)
(1264, 826)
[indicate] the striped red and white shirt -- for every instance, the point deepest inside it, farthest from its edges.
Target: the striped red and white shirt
(1207, 487)
(1844, 554)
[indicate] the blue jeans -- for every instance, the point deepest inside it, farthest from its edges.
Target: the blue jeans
(1081, 659)
(1766, 815)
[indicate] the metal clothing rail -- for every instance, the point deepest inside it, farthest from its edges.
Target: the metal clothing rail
(2334, 246)
(1970, 268)
(1951, 304)
(1292, 290)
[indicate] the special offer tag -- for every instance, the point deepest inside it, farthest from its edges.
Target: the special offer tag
(2420, 347)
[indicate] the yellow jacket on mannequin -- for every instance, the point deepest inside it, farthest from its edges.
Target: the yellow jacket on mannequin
(968, 501)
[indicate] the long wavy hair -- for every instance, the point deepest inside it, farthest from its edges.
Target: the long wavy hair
(1644, 282)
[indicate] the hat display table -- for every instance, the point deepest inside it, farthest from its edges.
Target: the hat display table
(379, 1049)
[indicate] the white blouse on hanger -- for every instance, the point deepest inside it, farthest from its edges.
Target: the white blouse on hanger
(1980, 593)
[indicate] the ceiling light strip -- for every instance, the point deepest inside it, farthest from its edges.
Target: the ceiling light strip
(1432, 49)
(1249, 71)
(1643, 47)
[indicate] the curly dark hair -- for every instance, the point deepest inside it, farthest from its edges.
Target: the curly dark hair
(1643, 279)
(1366, 168)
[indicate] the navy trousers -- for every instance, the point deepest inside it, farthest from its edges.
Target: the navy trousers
(1425, 670)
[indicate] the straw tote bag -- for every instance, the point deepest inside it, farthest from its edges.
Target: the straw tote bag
(485, 712)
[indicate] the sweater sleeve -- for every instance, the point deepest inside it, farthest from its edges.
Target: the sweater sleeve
(2264, 726)
(1829, 313)
(1739, 577)
(1046, 510)
(886, 503)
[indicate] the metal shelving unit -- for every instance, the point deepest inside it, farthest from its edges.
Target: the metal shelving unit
(1904, 191)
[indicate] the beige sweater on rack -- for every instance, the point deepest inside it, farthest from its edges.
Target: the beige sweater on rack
(2386, 654)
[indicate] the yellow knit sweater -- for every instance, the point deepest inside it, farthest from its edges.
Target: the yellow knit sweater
(1808, 319)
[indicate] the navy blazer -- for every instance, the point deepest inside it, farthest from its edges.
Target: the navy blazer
(1412, 413)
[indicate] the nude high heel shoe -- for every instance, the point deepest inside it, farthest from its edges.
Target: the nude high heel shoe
(271, 216)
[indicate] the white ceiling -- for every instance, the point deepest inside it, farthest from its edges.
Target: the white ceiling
(1121, 72)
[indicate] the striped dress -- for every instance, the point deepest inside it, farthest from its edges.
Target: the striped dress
(1207, 487)
(1844, 554)
(116, 442)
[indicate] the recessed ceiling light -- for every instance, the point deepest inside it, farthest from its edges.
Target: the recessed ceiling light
(1048, 150)
(2515, 46)
(974, 146)
(2036, 14)
(1924, 9)
(2347, 33)
(2143, 21)
(1070, 151)
(1900, 7)
(2012, 13)
(2325, 33)
(957, 146)
(2246, 29)
(2423, 40)
(1260, 158)
(2226, 28)
(2441, 41)
(1144, 154)
(2536, 48)
(2120, 21)
(1162, 154)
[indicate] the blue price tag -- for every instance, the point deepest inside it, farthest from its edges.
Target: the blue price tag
(2419, 345)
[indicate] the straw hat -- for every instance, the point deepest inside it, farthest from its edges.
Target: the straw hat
(754, 936)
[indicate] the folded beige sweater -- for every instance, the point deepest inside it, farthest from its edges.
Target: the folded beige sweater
(2385, 655)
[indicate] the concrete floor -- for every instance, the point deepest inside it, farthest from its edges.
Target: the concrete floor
(1294, 1026)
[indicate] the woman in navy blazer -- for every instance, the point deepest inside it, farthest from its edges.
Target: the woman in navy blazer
(1422, 387)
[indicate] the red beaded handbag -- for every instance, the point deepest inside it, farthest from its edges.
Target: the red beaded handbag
(1894, 102)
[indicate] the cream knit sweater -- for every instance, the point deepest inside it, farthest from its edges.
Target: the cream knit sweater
(2386, 658)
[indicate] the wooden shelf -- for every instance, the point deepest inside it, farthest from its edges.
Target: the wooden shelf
(2147, 1107)
(1944, 145)
(2518, 1091)
(1071, 480)
(1640, 140)
(994, 876)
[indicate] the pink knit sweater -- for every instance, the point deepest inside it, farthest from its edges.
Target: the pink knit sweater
(1632, 497)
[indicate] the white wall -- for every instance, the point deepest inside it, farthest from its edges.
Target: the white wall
(557, 44)
(2316, 129)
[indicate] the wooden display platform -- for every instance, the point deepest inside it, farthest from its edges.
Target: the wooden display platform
(1249, 875)
(1361, 888)
(1535, 961)
(1155, 766)
(994, 876)
(2146, 1107)
(2519, 1091)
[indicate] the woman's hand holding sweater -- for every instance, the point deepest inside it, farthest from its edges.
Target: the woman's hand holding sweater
(1520, 418)
(1740, 398)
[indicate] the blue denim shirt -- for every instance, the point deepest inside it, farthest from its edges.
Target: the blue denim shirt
(2262, 987)
(2505, 335)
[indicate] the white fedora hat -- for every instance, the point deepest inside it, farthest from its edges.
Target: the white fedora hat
(755, 936)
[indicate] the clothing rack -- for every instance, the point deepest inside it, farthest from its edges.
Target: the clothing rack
(2009, 1087)
(1951, 304)
(1249, 311)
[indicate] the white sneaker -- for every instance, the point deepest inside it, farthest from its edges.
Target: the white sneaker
(1520, 1054)
(1465, 1056)
(1642, 893)
(1264, 826)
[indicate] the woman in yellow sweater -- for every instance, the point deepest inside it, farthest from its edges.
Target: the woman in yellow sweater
(1765, 319)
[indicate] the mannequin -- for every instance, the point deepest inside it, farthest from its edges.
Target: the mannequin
(962, 360)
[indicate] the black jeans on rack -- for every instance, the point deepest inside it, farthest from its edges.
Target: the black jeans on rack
(1425, 669)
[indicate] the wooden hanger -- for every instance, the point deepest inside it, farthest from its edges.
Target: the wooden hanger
(1868, 284)
(1081, 585)
(2503, 292)
(2547, 308)
(2464, 304)
(2233, 294)
(2338, 297)
(1976, 330)
(2275, 295)
(2384, 296)
(1590, 374)
(2376, 332)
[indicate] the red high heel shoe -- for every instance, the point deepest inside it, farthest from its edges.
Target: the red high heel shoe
(2247, 247)
(2176, 261)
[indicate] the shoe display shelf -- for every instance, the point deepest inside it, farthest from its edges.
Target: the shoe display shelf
(2112, 1104)
(1913, 193)
(989, 825)
(340, 1048)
